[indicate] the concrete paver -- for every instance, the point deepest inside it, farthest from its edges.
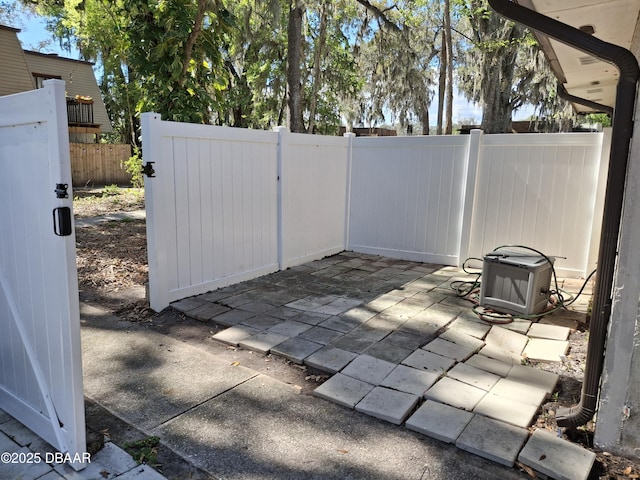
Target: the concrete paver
(262, 342)
(491, 439)
(455, 393)
(368, 369)
(456, 336)
(469, 327)
(385, 350)
(233, 317)
(109, 462)
(458, 352)
(506, 340)
(234, 335)
(500, 354)
(296, 349)
(473, 376)
(514, 390)
(491, 365)
(330, 359)
(410, 380)
(431, 362)
(507, 410)
(545, 350)
(518, 325)
(439, 421)
(321, 335)
(311, 318)
(534, 377)
(340, 323)
(343, 390)
(550, 332)
(557, 458)
(262, 322)
(290, 328)
(389, 405)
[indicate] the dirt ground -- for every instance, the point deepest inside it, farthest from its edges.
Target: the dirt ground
(112, 272)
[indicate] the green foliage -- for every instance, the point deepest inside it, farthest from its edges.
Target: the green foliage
(144, 450)
(110, 190)
(362, 62)
(603, 119)
(133, 166)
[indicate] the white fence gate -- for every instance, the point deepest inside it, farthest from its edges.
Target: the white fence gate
(40, 357)
(230, 204)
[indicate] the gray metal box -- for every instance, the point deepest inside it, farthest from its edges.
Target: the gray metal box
(513, 282)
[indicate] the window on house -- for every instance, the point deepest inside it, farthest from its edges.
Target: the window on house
(39, 78)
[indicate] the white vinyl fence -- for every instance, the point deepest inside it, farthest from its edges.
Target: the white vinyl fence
(541, 191)
(40, 357)
(228, 205)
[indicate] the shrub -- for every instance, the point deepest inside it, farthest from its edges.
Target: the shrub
(133, 166)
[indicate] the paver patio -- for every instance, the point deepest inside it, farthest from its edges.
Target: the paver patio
(400, 344)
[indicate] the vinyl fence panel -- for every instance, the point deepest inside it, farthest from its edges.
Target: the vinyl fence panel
(407, 197)
(539, 191)
(314, 186)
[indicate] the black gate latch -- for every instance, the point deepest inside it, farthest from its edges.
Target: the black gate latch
(62, 221)
(148, 170)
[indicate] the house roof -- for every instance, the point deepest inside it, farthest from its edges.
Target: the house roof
(584, 76)
(14, 72)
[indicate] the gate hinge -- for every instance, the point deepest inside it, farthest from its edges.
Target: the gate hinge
(148, 170)
(61, 190)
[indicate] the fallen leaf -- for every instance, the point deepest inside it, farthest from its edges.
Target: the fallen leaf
(235, 364)
(627, 471)
(342, 451)
(527, 469)
(543, 456)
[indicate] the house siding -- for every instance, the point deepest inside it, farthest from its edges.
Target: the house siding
(79, 79)
(618, 421)
(14, 74)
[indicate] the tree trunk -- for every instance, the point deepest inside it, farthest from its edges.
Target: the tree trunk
(294, 56)
(322, 38)
(442, 82)
(193, 37)
(424, 119)
(447, 34)
(496, 96)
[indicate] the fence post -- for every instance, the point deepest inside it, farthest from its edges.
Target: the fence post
(282, 138)
(151, 152)
(598, 201)
(473, 155)
(347, 215)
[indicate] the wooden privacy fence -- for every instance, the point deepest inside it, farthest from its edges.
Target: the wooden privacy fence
(99, 164)
(227, 205)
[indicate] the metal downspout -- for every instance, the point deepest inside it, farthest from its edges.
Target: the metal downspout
(621, 134)
(562, 93)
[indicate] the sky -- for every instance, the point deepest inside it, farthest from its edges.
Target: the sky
(34, 31)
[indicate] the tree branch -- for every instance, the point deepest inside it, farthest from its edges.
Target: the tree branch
(379, 14)
(193, 36)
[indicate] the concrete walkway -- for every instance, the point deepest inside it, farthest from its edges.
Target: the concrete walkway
(111, 217)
